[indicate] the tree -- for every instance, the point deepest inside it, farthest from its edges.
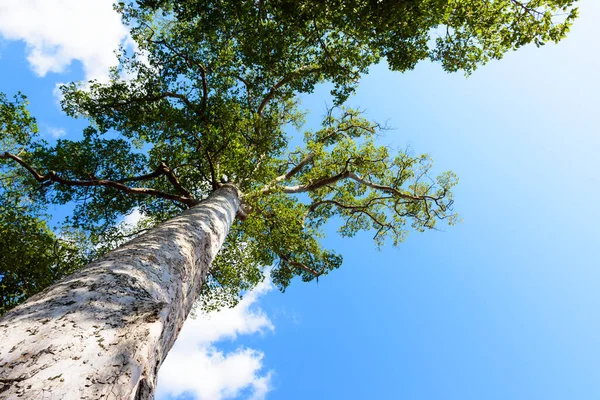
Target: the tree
(27, 267)
(195, 119)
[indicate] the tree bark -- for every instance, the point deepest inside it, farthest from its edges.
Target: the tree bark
(103, 332)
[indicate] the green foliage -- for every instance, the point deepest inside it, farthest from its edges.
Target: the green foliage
(89, 158)
(17, 126)
(208, 94)
(18, 131)
(31, 256)
(353, 34)
(236, 270)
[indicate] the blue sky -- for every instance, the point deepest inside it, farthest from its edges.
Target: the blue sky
(504, 305)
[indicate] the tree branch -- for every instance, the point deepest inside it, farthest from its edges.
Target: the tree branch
(356, 209)
(300, 265)
(306, 188)
(390, 189)
(52, 177)
(159, 171)
(202, 70)
(174, 181)
(248, 93)
(156, 97)
(283, 81)
(531, 11)
(162, 169)
(345, 175)
(213, 174)
(307, 159)
(318, 203)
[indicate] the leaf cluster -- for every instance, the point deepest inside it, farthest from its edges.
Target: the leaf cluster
(32, 257)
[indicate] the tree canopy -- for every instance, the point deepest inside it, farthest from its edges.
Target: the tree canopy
(209, 94)
(31, 255)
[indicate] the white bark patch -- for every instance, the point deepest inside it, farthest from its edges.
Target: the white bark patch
(103, 332)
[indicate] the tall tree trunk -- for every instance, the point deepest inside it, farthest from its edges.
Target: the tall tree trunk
(103, 332)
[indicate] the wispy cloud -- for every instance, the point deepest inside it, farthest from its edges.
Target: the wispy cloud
(56, 133)
(57, 32)
(196, 366)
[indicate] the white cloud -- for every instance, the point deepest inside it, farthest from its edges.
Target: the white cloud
(57, 32)
(195, 365)
(133, 218)
(56, 133)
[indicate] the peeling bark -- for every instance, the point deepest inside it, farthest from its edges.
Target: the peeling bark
(103, 332)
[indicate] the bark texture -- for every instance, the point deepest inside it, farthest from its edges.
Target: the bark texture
(103, 332)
